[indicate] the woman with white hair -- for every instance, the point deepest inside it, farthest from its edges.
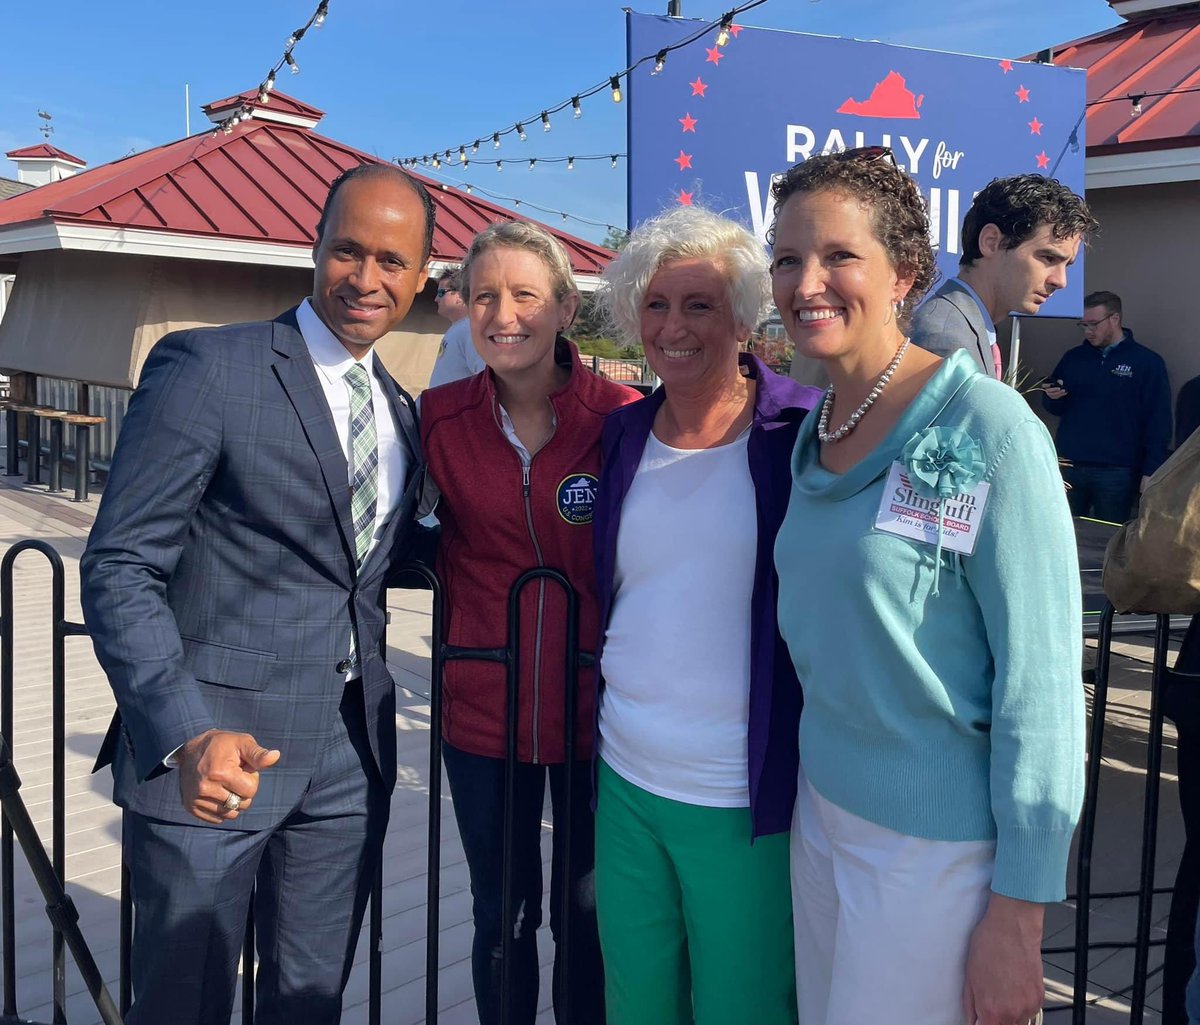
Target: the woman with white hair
(699, 704)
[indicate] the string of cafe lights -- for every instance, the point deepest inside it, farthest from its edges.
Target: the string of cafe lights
(1135, 99)
(435, 161)
(1135, 102)
(471, 189)
(246, 110)
(575, 102)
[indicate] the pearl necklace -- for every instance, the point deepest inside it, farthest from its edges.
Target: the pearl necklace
(823, 432)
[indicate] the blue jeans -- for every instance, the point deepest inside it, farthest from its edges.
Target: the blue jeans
(1104, 492)
(477, 788)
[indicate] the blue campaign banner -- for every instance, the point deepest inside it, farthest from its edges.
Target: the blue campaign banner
(716, 122)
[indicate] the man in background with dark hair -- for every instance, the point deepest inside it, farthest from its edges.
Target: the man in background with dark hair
(456, 357)
(1114, 403)
(261, 491)
(1018, 239)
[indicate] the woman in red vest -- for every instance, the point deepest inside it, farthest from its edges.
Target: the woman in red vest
(515, 453)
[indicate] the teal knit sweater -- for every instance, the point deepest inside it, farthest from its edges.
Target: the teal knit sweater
(955, 716)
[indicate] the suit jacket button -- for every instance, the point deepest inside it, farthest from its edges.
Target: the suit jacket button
(343, 667)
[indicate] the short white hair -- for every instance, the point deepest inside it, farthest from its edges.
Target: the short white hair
(687, 233)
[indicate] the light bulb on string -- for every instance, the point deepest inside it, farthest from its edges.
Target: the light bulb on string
(570, 163)
(475, 148)
(723, 33)
(495, 140)
(1136, 110)
(291, 63)
(576, 107)
(499, 166)
(532, 162)
(613, 160)
(615, 83)
(545, 121)
(521, 132)
(660, 62)
(322, 14)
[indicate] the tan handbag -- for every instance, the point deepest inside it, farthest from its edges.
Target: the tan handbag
(1153, 563)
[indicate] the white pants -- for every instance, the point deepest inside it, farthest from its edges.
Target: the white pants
(882, 920)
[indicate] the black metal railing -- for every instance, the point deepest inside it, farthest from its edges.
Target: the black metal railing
(63, 918)
(509, 657)
(49, 870)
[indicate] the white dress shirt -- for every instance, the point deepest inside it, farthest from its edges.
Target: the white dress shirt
(332, 360)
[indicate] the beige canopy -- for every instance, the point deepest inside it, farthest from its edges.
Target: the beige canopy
(94, 317)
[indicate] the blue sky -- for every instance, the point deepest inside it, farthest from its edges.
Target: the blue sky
(399, 79)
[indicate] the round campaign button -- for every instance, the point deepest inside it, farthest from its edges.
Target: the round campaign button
(576, 497)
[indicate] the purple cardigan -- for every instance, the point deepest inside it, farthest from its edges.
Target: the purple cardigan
(779, 406)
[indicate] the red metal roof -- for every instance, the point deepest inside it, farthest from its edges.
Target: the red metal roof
(278, 102)
(1155, 54)
(263, 182)
(45, 151)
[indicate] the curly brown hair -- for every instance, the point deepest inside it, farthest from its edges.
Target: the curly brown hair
(898, 213)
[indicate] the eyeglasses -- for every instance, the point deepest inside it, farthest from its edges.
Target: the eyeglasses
(1087, 325)
(867, 154)
(444, 291)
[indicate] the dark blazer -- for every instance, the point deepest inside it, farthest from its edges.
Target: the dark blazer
(219, 580)
(951, 319)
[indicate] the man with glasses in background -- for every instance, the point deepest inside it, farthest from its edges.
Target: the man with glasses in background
(1114, 403)
(457, 357)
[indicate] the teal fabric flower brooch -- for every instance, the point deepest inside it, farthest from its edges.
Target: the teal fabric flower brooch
(942, 462)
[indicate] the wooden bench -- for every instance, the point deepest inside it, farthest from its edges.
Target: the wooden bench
(34, 415)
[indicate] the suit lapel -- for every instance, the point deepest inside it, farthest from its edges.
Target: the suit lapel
(403, 416)
(298, 376)
(970, 309)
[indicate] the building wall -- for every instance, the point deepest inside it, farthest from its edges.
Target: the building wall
(1147, 252)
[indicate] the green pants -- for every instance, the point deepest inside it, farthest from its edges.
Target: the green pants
(695, 923)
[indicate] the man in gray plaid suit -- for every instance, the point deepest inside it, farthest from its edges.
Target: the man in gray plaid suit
(262, 490)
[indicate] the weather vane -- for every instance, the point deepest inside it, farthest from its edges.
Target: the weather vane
(47, 128)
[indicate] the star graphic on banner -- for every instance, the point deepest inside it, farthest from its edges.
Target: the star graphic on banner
(698, 87)
(714, 55)
(1006, 66)
(1022, 95)
(684, 160)
(735, 30)
(688, 122)
(1043, 161)
(684, 198)
(1035, 127)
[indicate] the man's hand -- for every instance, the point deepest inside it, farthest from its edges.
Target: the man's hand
(216, 764)
(1004, 964)
(1054, 390)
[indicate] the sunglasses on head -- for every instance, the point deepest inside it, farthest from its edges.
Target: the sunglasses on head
(445, 291)
(867, 154)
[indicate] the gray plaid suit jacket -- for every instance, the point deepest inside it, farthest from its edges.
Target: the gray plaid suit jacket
(219, 583)
(950, 319)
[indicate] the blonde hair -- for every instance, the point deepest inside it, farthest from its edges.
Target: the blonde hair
(532, 238)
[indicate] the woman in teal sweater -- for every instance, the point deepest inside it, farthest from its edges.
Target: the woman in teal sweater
(941, 743)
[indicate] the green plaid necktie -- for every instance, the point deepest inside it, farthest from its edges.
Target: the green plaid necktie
(364, 460)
